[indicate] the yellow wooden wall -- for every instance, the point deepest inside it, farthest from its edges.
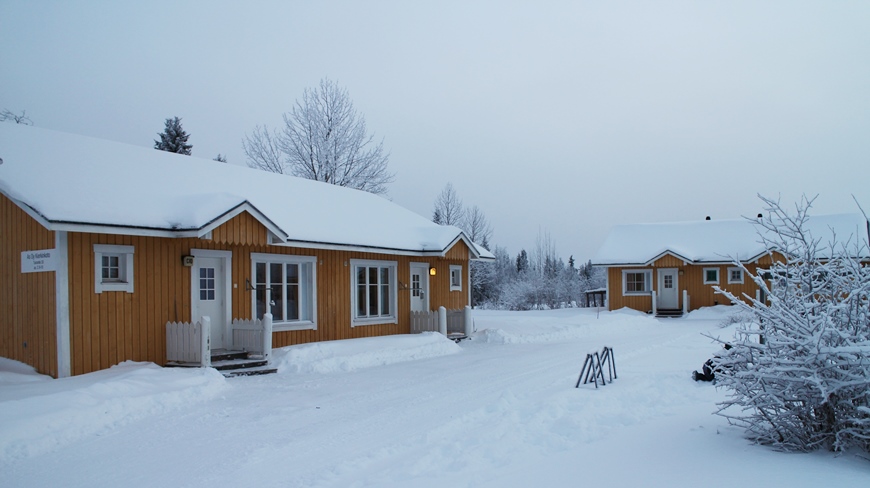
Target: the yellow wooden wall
(439, 285)
(27, 300)
(111, 327)
(691, 280)
(114, 326)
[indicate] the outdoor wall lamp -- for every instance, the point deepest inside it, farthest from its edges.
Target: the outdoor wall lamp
(432, 271)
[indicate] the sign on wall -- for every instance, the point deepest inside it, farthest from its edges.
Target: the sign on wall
(39, 261)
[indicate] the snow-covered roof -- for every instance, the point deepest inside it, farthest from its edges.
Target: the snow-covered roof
(713, 241)
(71, 182)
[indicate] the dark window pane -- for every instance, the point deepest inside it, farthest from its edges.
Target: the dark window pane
(385, 299)
(373, 300)
(292, 302)
(361, 301)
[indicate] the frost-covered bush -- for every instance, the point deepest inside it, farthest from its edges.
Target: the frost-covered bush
(798, 376)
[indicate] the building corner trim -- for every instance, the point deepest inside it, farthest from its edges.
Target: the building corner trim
(61, 287)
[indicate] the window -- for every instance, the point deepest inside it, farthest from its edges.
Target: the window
(206, 284)
(113, 268)
(711, 276)
(374, 292)
(735, 275)
(285, 287)
(636, 282)
(455, 277)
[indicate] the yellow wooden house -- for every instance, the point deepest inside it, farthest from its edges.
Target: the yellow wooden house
(669, 269)
(103, 244)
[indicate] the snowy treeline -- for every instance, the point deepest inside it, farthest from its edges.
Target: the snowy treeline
(799, 373)
(544, 282)
(541, 280)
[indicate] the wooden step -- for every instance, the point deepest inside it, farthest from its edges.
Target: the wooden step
(233, 363)
(669, 313)
(227, 355)
(249, 372)
(230, 364)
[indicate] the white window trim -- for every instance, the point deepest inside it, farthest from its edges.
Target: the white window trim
(730, 281)
(125, 254)
(706, 282)
(285, 325)
(394, 299)
(647, 282)
(457, 268)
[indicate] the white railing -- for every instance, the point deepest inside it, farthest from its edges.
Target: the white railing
(189, 343)
(447, 322)
(685, 302)
(253, 336)
(654, 305)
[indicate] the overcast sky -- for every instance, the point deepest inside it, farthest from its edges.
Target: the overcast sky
(559, 117)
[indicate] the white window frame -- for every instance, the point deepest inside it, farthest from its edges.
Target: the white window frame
(311, 262)
(730, 280)
(125, 268)
(711, 282)
(392, 316)
(455, 277)
(647, 282)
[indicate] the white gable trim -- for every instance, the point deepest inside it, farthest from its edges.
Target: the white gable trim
(684, 259)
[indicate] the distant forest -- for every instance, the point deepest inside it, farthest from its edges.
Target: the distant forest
(539, 279)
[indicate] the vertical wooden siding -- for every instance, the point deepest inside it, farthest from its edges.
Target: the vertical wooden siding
(616, 300)
(242, 229)
(691, 280)
(27, 300)
(111, 327)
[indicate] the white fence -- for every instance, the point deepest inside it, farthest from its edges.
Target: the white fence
(253, 336)
(447, 322)
(191, 343)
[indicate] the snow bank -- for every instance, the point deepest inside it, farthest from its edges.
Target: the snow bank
(719, 312)
(497, 328)
(353, 354)
(14, 372)
(40, 416)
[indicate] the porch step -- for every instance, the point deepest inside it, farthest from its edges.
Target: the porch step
(233, 363)
(227, 355)
(671, 313)
(238, 363)
(249, 372)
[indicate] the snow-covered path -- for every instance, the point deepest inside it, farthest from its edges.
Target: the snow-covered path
(499, 410)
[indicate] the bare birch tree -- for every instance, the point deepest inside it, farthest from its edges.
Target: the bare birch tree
(448, 207)
(21, 118)
(325, 139)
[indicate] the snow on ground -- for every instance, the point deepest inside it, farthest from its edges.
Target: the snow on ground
(499, 410)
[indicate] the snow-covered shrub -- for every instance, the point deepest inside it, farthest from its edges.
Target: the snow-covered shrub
(798, 375)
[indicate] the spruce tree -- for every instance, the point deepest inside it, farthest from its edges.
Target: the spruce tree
(173, 138)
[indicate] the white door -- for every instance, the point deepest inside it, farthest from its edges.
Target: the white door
(419, 287)
(209, 296)
(668, 295)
